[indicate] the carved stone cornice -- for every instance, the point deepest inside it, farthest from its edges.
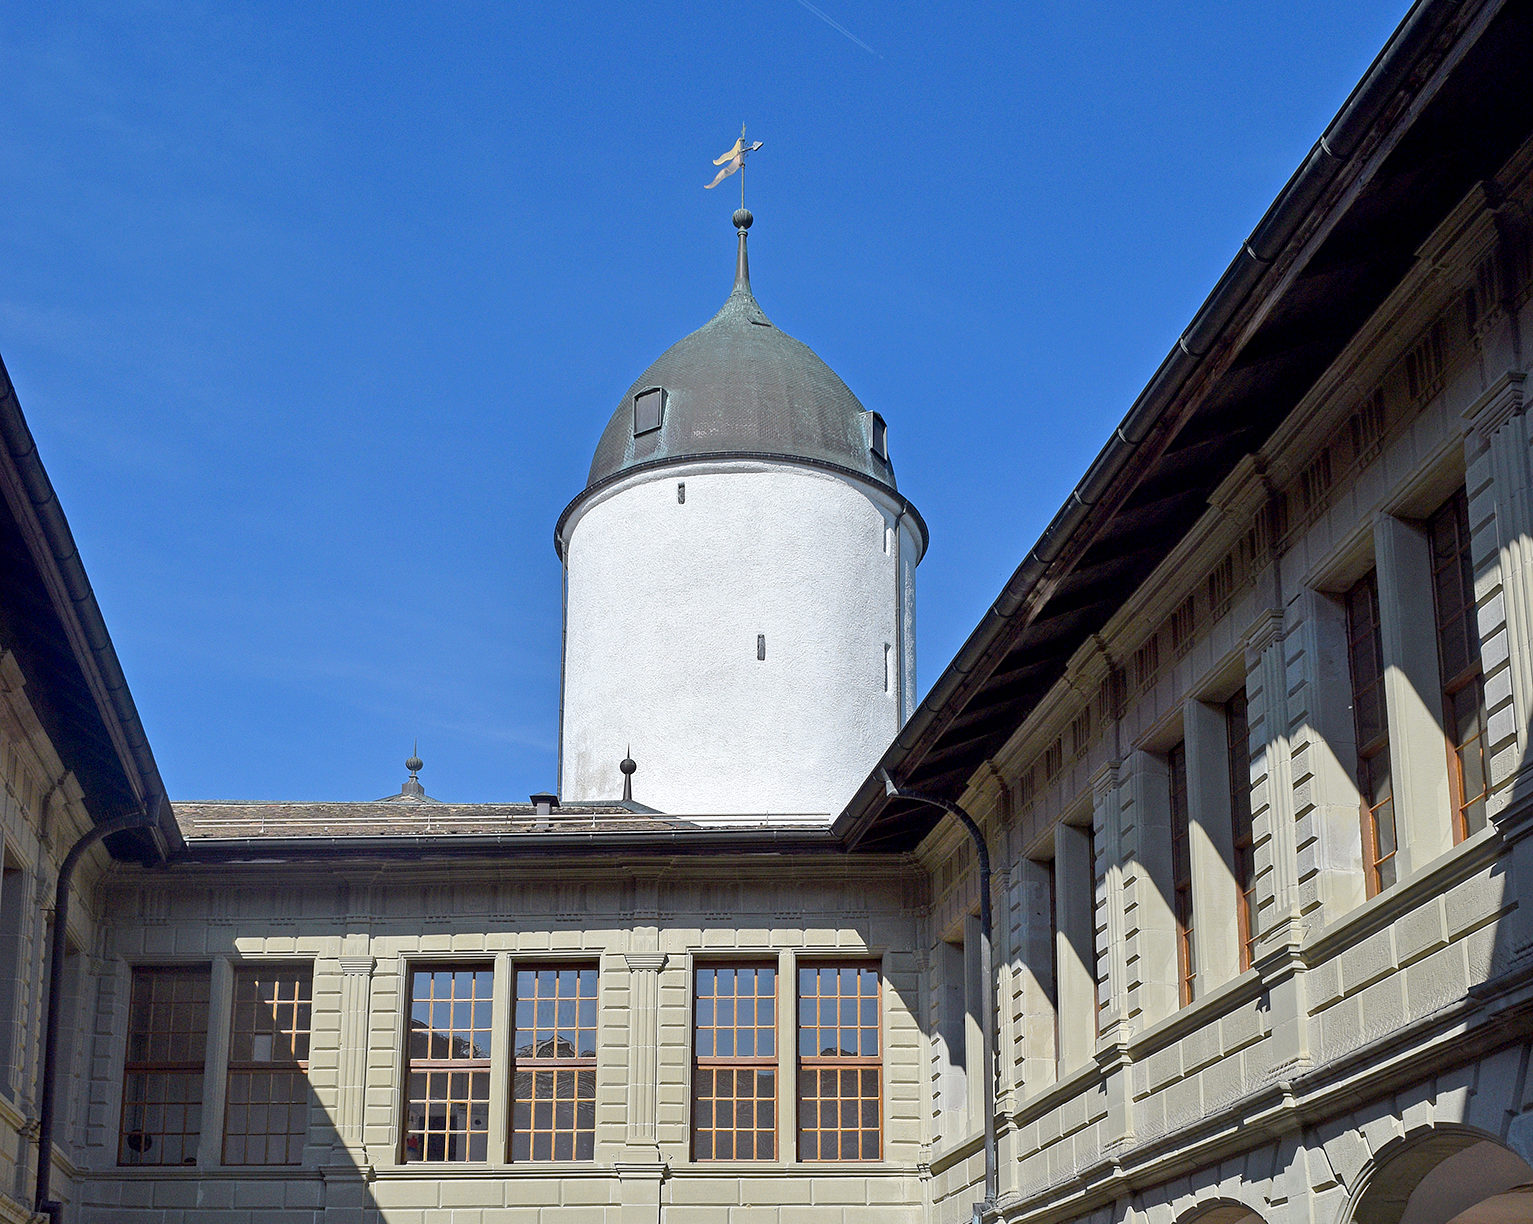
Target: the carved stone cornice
(1497, 404)
(1105, 780)
(1266, 630)
(645, 960)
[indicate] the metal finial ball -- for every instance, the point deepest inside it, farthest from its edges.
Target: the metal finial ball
(628, 765)
(743, 218)
(415, 764)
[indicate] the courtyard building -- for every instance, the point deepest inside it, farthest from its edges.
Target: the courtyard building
(1245, 738)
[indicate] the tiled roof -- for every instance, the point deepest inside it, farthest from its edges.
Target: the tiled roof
(227, 820)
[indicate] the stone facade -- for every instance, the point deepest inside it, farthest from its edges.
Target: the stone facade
(1192, 1024)
(1367, 1028)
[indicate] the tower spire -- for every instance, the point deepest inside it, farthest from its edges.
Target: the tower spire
(743, 221)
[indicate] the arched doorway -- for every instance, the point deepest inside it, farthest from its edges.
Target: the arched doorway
(1446, 1177)
(1222, 1212)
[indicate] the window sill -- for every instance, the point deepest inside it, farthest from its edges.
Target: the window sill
(1384, 908)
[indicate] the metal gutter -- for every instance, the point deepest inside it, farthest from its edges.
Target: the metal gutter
(76, 605)
(435, 846)
(1106, 476)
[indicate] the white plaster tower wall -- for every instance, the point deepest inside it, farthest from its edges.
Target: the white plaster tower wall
(679, 581)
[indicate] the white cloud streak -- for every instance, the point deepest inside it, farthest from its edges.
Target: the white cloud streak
(838, 27)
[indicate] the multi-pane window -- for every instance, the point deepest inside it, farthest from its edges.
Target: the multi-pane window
(13, 909)
(1181, 873)
(1238, 739)
(266, 1116)
(1052, 989)
(734, 1085)
(840, 1091)
(447, 1105)
(162, 1077)
(553, 1097)
(1458, 659)
(1365, 659)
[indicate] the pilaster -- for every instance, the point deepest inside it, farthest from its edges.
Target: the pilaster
(643, 1065)
(1112, 963)
(1318, 798)
(1274, 828)
(351, 1076)
(1149, 921)
(1499, 482)
(1030, 1060)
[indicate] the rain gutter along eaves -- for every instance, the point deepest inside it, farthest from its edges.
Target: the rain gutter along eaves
(1389, 72)
(418, 847)
(43, 517)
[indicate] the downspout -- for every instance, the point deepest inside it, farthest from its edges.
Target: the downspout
(986, 985)
(48, 1104)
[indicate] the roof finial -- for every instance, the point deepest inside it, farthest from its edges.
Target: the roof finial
(743, 221)
(628, 765)
(412, 786)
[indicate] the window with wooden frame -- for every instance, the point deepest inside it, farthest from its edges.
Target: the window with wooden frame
(162, 1075)
(1365, 660)
(553, 1083)
(447, 1076)
(13, 912)
(1458, 660)
(734, 1076)
(840, 1067)
(1237, 730)
(1181, 874)
(266, 1115)
(1089, 952)
(1052, 986)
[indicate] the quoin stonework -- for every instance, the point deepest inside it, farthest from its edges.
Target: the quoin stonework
(1247, 740)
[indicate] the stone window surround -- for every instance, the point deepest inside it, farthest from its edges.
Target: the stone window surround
(646, 966)
(787, 961)
(215, 1068)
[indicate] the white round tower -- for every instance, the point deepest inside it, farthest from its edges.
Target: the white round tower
(739, 582)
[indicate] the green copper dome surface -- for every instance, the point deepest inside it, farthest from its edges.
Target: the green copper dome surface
(739, 386)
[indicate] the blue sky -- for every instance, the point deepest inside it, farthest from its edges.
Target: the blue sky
(317, 311)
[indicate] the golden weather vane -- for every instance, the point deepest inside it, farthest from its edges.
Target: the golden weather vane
(734, 159)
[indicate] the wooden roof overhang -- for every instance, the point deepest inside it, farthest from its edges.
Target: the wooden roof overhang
(51, 623)
(1443, 107)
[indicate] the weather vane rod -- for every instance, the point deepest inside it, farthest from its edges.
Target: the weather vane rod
(732, 160)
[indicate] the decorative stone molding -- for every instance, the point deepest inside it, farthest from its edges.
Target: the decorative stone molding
(653, 961)
(643, 1048)
(356, 1002)
(1497, 404)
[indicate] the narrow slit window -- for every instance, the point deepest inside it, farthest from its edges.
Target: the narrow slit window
(648, 410)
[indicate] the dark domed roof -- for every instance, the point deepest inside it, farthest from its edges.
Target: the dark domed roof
(739, 386)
